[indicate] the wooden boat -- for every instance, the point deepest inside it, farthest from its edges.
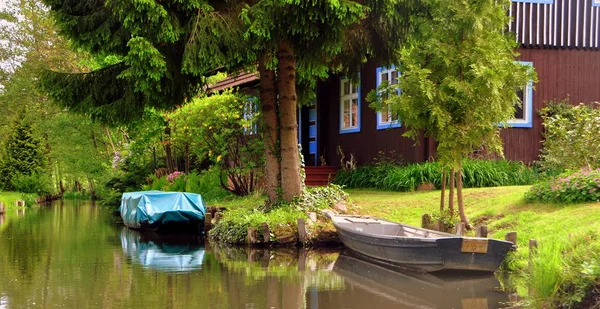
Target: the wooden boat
(164, 211)
(414, 247)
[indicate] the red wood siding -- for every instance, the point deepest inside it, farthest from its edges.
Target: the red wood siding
(561, 73)
(369, 142)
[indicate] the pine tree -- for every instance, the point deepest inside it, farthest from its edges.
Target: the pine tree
(24, 153)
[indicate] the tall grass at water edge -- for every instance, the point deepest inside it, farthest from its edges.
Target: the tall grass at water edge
(476, 173)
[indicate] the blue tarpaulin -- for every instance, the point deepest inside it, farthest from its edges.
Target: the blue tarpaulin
(154, 209)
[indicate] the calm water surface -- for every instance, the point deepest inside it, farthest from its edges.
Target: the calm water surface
(75, 255)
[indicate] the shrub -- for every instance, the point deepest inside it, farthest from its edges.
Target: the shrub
(476, 173)
(317, 198)
(571, 136)
(233, 228)
(573, 187)
(207, 184)
(39, 184)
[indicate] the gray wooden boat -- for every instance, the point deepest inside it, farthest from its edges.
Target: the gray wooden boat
(414, 247)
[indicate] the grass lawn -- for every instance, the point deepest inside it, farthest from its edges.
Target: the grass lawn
(9, 198)
(502, 209)
(567, 234)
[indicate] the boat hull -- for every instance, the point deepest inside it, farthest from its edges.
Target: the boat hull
(448, 252)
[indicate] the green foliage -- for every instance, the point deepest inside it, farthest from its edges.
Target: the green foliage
(207, 183)
(571, 136)
(318, 198)
(23, 155)
(29, 199)
(476, 173)
(570, 187)
(233, 228)
(458, 78)
(40, 184)
(224, 128)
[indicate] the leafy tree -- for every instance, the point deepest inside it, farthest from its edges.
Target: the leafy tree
(459, 80)
(23, 154)
(224, 128)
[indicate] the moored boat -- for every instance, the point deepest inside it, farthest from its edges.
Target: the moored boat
(156, 210)
(414, 247)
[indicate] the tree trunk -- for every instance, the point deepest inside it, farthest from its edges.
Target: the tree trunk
(268, 97)
(451, 193)
(443, 197)
(461, 205)
(286, 87)
(168, 152)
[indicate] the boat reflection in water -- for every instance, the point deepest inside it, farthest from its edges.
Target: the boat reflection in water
(164, 252)
(385, 287)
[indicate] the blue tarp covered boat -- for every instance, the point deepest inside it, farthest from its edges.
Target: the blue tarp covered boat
(157, 209)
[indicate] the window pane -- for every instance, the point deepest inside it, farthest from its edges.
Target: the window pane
(385, 117)
(354, 112)
(346, 106)
(354, 88)
(394, 77)
(384, 77)
(346, 120)
(346, 86)
(519, 113)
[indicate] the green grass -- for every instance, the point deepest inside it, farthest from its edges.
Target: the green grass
(9, 198)
(566, 234)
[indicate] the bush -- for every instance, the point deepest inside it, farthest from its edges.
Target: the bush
(317, 198)
(233, 228)
(476, 173)
(573, 187)
(207, 184)
(39, 184)
(571, 136)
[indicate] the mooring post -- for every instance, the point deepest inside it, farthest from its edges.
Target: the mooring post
(266, 232)
(2, 210)
(460, 228)
(207, 222)
(20, 203)
(533, 245)
(512, 237)
(252, 235)
(426, 221)
(481, 231)
(302, 234)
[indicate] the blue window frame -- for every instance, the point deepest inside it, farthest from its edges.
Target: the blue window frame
(524, 113)
(385, 118)
(537, 1)
(349, 106)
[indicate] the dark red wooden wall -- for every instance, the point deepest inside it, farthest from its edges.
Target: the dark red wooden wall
(562, 73)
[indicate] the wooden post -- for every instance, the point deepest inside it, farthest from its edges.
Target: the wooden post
(533, 245)
(481, 231)
(460, 229)
(512, 237)
(20, 203)
(302, 234)
(2, 209)
(252, 236)
(266, 232)
(207, 221)
(426, 221)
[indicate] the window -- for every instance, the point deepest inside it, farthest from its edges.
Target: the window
(595, 2)
(524, 113)
(538, 1)
(349, 107)
(385, 118)
(249, 112)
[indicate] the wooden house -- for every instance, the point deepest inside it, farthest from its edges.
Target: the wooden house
(559, 38)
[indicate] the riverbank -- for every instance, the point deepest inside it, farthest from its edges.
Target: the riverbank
(9, 198)
(565, 266)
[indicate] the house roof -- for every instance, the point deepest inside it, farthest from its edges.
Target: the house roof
(234, 81)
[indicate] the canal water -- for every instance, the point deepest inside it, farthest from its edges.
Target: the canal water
(77, 255)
